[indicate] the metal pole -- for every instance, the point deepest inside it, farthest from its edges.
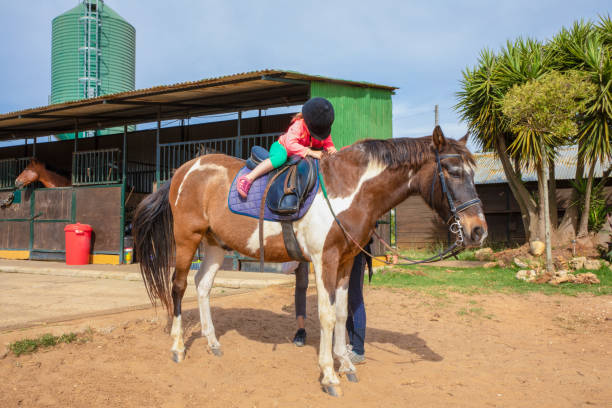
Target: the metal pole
(437, 115)
(25, 147)
(34, 148)
(238, 140)
(124, 151)
(157, 146)
(76, 134)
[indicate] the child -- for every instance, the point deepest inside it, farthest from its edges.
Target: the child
(309, 129)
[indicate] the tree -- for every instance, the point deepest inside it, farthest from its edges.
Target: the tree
(480, 98)
(542, 113)
(587, 48)
(584, 47)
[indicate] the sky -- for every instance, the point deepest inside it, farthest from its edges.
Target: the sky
(419, 47)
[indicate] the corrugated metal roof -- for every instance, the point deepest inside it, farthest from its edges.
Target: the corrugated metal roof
(244, 91)
(489, 168)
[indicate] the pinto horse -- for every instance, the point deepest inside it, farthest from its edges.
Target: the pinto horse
(37, 171)
(363, 181)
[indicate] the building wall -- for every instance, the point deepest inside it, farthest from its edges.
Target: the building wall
(419, 226)
(360, 113)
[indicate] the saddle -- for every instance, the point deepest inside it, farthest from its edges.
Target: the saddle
(287, 188)
(289, 184)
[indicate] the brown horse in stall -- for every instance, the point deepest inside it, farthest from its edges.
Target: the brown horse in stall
(363, 182)
(37, 171)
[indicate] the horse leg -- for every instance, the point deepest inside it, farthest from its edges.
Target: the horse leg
(213, 258)
(327, 319)
(185, 249)
(340, 350)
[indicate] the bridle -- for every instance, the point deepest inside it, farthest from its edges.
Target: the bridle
(454, 221)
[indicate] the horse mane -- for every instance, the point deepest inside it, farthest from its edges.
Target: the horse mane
(396, 152)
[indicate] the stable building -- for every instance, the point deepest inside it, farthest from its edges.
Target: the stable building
(110, 174)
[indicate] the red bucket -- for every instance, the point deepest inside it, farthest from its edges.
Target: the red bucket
(78, 243)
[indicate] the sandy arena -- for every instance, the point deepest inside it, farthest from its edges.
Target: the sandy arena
(423, 351)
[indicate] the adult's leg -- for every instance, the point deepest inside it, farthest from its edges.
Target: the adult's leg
(356, 323)
(301, 285)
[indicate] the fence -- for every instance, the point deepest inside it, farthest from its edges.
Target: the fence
(173, 155)
(10, 169)
(96, 167)
(140, 177)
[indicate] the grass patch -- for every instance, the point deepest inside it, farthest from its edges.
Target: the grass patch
(435, 280)
(27, 346)
(413, 253)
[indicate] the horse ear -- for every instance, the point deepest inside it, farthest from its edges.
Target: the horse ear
(439, 140)
(464, 139)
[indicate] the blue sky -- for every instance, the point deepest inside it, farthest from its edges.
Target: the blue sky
(420, 47)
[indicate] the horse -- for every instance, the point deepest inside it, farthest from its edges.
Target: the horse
(37, 171)
(363, 182)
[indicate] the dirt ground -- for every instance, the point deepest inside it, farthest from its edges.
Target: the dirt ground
(457, 350)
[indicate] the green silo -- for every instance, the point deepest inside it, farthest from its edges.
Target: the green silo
(93, 53)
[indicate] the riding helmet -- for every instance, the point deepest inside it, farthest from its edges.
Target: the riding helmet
(318, 114)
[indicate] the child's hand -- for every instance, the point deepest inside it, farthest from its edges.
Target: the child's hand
(331, 150)
(317, 154)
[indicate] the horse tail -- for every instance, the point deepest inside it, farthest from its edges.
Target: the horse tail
(154, 244)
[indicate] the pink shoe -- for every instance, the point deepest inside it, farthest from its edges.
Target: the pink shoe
(243, 186)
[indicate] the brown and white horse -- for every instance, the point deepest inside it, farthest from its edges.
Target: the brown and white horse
(363, 182)
(37, 171)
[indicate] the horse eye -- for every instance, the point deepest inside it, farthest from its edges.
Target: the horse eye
(454, 173)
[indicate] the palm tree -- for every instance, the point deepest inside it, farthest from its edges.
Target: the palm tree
(587, 48)
(480, 105)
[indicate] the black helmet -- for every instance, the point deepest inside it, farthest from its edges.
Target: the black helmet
(318, 114)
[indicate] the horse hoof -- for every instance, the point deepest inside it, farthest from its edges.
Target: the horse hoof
(217, 352)
(178, 356)
(332, 390)
(352, 377)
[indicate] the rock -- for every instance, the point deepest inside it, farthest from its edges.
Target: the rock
(528, 275)
(520, 264)
(484, 254)
(561, 263)
(501, 263)
(490, 265)
(560, 273)
(577, 263)
(536, 248)
(592, 264)
(586, 278)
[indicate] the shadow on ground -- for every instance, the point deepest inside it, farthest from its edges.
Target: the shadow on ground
(276, 328)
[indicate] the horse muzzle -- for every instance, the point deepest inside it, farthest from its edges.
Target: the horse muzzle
(19, 184)
(475, 230)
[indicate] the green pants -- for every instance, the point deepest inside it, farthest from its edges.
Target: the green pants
(278, 154)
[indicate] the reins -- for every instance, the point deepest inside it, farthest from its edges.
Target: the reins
(455, 227)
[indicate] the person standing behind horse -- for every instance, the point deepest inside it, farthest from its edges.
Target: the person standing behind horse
(356, 321)
(309, 130)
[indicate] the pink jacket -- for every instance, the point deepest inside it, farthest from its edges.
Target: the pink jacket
(297, 139)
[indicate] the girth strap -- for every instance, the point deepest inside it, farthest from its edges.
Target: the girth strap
(291, 244)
